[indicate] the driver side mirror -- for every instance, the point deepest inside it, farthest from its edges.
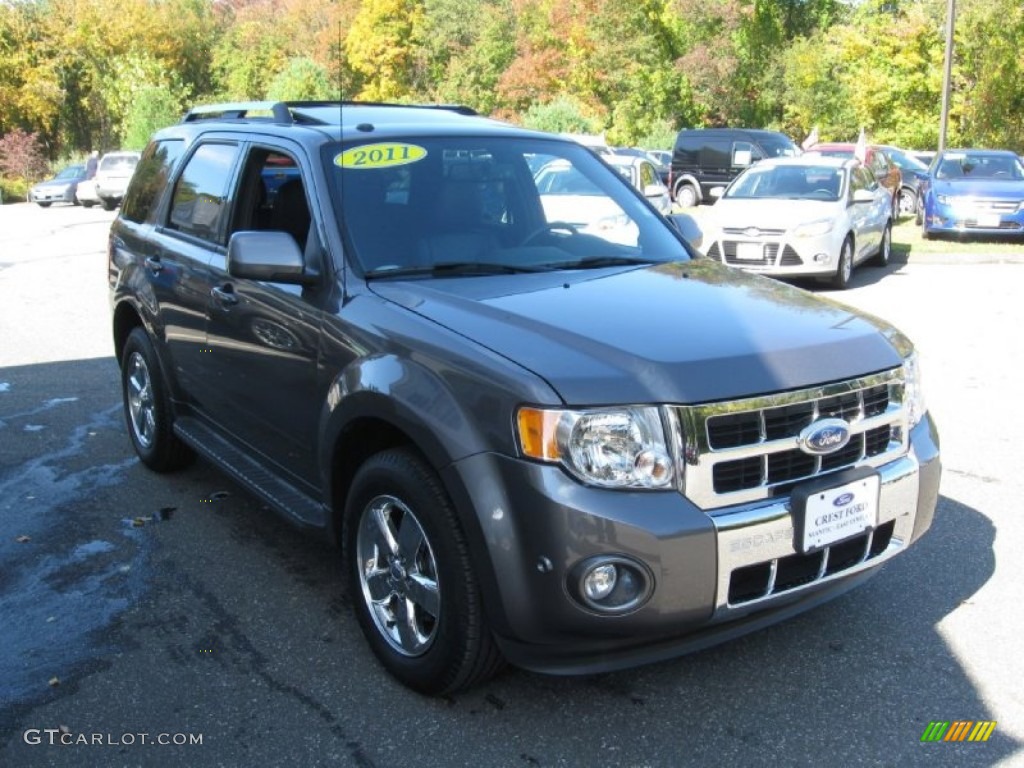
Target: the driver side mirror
(272, 257)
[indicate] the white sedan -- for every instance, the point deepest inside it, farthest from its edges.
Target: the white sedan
(802, 216)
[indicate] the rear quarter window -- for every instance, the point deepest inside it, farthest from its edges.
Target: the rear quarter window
(150, 178)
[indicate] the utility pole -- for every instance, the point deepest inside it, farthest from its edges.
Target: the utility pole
(947, 73)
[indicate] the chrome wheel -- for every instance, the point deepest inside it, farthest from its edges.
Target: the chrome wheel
(141, 404)
(844, 269)
(398, 575)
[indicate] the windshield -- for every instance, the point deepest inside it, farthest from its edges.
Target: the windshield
(906, 162)
(71, 172)
(979, 165)
(465, 206)
(791, 182)
(119, 163)
(778, 147)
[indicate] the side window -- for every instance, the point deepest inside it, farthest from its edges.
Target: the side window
(647, 175)
(743, 154)
(150, 178)
(201, 198)
(272, 196)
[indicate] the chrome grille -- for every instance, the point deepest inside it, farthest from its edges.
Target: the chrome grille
(747, 450)
(769, 252)
(743, 231)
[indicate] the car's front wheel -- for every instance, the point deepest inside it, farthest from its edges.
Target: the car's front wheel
(147, 407)
(884, 248)
(415, 593)
(108, 203)
(42, 204)
(908, 203)
(844, 269)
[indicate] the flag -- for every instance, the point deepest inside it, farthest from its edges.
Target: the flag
(861, 150)
(811, 140)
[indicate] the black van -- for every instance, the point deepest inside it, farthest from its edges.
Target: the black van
(712, 157)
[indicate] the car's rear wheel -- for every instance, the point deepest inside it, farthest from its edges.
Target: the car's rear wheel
(147, 407)
(415, 593)
(42, 204)
(686, 195)
(844, 269)
(108, 203)
(885, 248)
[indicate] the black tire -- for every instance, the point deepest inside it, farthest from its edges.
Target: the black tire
(405, 554)
(881, 258)
(686, 195)
(43, 205)
(147, 407)
(844, 269)
(88, 203)
(108, 203)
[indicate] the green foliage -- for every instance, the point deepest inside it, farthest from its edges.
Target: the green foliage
(560, 115)
(153, 108)
(85, 74)
(302, 79)
(13, 190)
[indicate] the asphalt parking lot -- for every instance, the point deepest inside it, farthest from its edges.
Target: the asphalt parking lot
(141, 614)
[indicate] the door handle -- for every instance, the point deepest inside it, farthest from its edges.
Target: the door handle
(153, 264)
(224, 295)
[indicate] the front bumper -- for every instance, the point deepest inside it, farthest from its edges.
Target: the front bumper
(779, 254)
(715, 575)
(51, 195)
(969, 218)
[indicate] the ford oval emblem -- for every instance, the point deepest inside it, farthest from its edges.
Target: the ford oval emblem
(843, 499)
(824, 436)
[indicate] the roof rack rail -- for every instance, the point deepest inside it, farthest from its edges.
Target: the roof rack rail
(240, 110)
(457, 108)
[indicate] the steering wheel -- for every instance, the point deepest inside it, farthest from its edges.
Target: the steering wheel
(826, 193)
(551, 226)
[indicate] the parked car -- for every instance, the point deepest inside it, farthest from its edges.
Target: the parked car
(640, 172)
(809, 215)
(532, 443)
(705, 158)
(62, 188)
(113, 173)
(973, 191)
(912, 172)
(876, 160)
(662, 160)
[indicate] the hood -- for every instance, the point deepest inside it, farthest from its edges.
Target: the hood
(989, 189)
(770, 213)
(671, 333)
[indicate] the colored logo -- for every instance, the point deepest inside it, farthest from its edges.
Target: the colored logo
(824, 436)
(843, 499)
(958, 730)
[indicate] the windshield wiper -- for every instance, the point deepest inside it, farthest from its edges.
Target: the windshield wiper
(452, 268)
(595, 262)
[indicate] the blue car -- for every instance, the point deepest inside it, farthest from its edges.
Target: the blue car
(973, 191)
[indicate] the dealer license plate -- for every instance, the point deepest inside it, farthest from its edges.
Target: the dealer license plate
(750, 251)
(838, 513)
(987, 220)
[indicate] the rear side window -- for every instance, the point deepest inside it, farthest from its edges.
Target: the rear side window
(150, 178)
(201, 199)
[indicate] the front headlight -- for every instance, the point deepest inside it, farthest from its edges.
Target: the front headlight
(609, 447)
(913, 395)
(945, 199)
(814, 228)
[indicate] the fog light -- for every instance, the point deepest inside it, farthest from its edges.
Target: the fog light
(599, 581)
(821, 258)
(610, 583)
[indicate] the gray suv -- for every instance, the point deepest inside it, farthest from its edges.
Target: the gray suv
(538, 427)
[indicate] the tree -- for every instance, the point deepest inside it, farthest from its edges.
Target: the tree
(302, 79)
(153, 108)
(381, 47)
(21, 156)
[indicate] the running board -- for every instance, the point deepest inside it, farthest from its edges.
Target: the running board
(284, 497)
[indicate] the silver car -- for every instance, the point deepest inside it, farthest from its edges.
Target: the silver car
(802, 216)
(60, 189)
(113, 173)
